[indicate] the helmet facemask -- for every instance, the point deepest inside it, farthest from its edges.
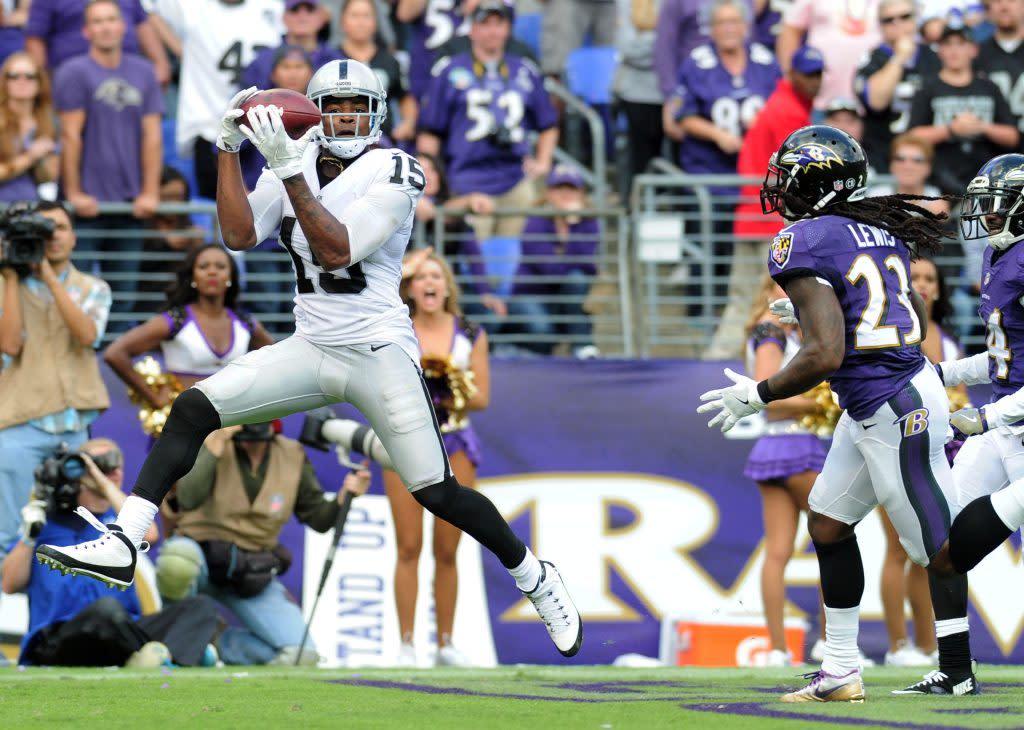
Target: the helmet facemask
(341, 129)
(773, 191)
(995, 213)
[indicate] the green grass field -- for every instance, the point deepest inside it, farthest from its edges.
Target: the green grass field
(596, 698)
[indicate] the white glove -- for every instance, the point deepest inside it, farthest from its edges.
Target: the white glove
(783, 309)
(230, 137)
(33, 517)
(973, 421)
(267, 132)
(736, 402)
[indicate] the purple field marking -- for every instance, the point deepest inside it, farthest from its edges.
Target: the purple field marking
(757, 709)
(462, 692)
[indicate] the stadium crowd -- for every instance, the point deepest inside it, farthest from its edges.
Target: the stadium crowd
(107, 102)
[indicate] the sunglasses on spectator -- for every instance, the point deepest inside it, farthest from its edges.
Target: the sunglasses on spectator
(893, 18)
(910, 158)
(14, 75)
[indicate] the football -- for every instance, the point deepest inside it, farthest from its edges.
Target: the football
(297, 112)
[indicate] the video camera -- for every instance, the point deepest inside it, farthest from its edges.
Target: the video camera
(59, 480)
(23, 236)
(321, 428)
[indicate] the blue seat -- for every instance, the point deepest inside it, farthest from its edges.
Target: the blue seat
(589, 72)
(527, 29)
(501, 259)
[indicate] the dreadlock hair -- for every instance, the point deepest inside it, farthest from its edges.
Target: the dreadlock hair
(922, 230)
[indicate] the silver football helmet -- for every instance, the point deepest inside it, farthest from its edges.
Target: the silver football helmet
(347, 79)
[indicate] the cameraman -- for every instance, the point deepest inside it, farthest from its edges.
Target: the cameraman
(52, 317)
(484, 103)
(85, 623)
(246, 483)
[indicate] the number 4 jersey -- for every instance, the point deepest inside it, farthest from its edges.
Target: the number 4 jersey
(868, 269)
(360, 303)
(1002, 292)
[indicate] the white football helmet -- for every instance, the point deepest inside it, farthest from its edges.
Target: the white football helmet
(346, 79)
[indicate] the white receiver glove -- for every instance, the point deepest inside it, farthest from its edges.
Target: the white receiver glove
(736, 401)
(971, 421)
(230, 137)
(783, 309)
(33, 517)
(267, 132)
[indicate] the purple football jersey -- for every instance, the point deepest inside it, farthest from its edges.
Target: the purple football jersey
(441, 20)
(484, 115)
(729, 102)
(1002, 286)
(868, 269)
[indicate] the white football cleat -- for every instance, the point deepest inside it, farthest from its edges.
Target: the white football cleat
(449, 656)
(407, 655)
(907, 655)
(109, 559)
(778, 658)
(557, 610)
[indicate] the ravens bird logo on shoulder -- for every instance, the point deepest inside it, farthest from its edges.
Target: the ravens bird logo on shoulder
(810, 155)
(782, 244)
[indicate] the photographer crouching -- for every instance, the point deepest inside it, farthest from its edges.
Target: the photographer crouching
(52, 317)
(245, 485)
(85, 623)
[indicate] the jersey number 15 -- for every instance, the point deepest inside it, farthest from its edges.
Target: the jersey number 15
(354, 283)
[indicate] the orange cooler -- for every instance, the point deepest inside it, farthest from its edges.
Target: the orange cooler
(724, 641)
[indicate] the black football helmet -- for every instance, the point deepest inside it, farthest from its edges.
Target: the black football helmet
(993, 206)
(820, 165)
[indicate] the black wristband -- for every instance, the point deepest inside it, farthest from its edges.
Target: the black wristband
(764, 392)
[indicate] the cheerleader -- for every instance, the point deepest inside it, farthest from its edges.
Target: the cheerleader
(784, 462)
(200, 329)
(430, 290)
(901, 583)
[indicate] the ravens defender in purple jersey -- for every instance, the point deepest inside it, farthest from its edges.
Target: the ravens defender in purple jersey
(844, 261)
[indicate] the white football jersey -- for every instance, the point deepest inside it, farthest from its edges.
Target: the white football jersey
(360, 303)
(218, 42)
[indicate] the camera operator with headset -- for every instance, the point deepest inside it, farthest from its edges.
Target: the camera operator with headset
(85, 623)
(245, 485)
(52, 317)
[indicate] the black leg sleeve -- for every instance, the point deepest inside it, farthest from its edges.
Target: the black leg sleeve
(192, 419)
(475, 515)
(976, 532)
(842, 573)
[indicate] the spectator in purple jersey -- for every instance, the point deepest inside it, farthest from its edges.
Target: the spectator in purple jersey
(53, 34)
(459, 242)
(432, 23)
(557, 266)
(682, 26)
(483, 105)
(359, 24)
(110, 107)
(13, 17)
(302, 20)
(722, 87)
(27, 133)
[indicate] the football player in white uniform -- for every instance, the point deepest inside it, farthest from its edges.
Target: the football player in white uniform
(345, 211)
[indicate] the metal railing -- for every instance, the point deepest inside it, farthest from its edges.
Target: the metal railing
(684, 251)
(595, 310)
